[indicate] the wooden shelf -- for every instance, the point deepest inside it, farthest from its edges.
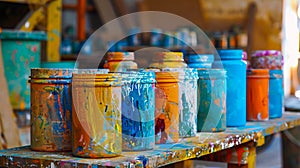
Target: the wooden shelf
(188, 148)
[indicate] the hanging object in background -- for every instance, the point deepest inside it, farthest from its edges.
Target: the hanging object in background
(266, 59)
(231, 61)
(120, 61)
(200, 60)
(276, 94)
(138, 105)
(167, 108)
(257, 94)
(156, 37)
(187, 100)
(168, 60)
(62, 64)
(96, 119)
(135, 38)
(211, 100)
(21, 51)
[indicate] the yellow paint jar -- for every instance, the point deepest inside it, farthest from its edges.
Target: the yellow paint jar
(96, 119)
(168, 60)
(167, 107)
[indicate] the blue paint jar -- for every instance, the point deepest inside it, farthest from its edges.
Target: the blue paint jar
(187, 87)
(211, 100)
(231, 61)
(200, 60)
(138, 105)
(276, 95)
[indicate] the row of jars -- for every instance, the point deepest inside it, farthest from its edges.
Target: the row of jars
(99, 114)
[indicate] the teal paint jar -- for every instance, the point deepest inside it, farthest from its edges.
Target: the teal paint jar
(138, 107)
(187, 100)
(276, 94)
(21, 51)
(231, 61)
(200, 60)
(62, 64)
(211, 100)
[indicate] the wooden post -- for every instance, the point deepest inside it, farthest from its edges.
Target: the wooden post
(7, 118)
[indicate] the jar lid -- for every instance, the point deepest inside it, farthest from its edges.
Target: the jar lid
(167, 77)
(258, 73)
(211, 73)
(184, 73)
(120, 56)
(45, 73)
(276, 73)
(261, 53)
(110, 79)
(201, 58)
(22, 35)
(168, 56)
(63, 73)
(138, 76)
(226, 54)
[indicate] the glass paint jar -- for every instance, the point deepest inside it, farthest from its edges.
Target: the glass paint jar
(200, 60)
(51, 107)
(120, 61)
(167, 107)
(258, 94)
(266, 59)
(187, 100)
(276, 94)
(168, 60)
(211, 100)
(96, 119)
(138, 105)
(231, 61)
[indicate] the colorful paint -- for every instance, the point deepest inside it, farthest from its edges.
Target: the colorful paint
(168, 60)
(96, 119)
(231, 61)
(120, 61)
(21, 51)
(167, 107)
(276, 95)
(258, 94)
(266, 59)
(211, 100)
(138, 105)
(200, 60)
(187, 100)
(161, 155)
(51, 108)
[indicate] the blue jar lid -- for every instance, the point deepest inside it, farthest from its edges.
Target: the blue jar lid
(184, 73)
(201, 58)
(276, 73)
(21, 35)
(211, 73)
(233, 54)
(138, 76)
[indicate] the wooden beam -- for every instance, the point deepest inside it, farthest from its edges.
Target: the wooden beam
(81, 10)
(53, 30)
(31, 20)
(8, 122)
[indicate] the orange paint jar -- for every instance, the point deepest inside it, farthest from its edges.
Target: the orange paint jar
(258, 94)
(120, 61)
(167, 107)
(96, 119)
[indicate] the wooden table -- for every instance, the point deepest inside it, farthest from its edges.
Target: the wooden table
(187, 148)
